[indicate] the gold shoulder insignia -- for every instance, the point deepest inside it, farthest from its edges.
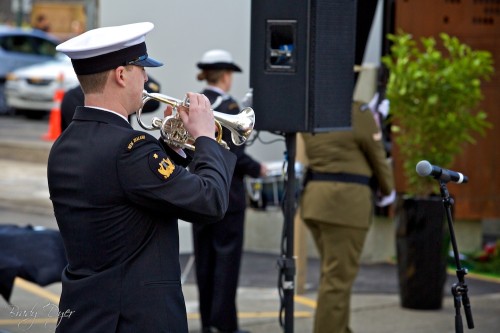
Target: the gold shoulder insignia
(134, 140)
(166, 168)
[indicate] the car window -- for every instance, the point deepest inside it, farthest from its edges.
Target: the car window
(28, 45)
(43, 47)
(17, 43)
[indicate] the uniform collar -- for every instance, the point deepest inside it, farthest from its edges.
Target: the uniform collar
(216, 89)
(100, 115)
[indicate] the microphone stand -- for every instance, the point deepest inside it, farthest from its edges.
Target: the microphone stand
(459, 290)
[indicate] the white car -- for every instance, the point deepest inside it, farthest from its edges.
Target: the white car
(31, 89)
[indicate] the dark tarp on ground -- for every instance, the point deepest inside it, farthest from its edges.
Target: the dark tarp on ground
(32, 253)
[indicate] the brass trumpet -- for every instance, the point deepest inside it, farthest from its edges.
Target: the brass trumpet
(173, 132)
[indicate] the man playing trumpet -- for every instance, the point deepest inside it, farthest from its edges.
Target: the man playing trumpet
(118, 193)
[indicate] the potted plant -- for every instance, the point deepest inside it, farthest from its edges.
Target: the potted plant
(434, 90)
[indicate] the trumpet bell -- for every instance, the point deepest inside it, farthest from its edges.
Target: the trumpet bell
(240, 125)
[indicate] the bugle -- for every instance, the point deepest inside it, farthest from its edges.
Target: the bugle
(173, 132)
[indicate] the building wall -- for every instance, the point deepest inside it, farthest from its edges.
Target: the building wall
(476, 23)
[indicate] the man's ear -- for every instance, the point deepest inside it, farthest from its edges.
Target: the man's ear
(119, 74)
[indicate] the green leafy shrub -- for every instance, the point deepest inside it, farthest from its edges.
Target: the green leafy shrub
(433, 99)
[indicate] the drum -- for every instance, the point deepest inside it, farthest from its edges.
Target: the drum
(268, 192)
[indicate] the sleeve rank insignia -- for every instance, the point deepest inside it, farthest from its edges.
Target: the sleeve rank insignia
(164, 167)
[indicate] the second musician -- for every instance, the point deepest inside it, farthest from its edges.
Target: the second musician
(218, 247)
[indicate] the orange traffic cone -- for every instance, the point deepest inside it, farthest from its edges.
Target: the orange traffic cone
(55, 117)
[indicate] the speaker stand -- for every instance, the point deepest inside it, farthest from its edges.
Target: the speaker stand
(286, 262)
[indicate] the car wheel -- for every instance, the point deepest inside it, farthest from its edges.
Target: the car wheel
(31, 114)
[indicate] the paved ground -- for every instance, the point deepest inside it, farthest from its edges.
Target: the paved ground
(375, 303)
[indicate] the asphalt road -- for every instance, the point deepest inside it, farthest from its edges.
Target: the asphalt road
(19, 127)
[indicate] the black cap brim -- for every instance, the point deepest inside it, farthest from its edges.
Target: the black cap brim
(219, 65)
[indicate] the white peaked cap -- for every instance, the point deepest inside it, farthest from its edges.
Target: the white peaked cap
(105, 48)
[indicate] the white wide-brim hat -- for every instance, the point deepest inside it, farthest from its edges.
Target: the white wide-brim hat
(218, 59)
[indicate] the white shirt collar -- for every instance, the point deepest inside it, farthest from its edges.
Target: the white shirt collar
(107, 110)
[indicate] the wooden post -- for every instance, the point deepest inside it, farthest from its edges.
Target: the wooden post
(300, 231)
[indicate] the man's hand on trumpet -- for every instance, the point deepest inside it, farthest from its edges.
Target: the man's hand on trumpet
(198, 119)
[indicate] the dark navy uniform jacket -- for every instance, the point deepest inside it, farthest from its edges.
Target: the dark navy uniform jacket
(245, 164)
(117, 196)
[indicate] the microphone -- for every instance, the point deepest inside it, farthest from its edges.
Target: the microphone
(424, 168)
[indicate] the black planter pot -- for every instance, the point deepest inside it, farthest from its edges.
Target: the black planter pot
(422, 242)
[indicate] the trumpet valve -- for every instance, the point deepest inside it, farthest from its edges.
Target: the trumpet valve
(173, 132)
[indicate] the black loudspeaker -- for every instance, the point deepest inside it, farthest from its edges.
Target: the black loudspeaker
(301, 65)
